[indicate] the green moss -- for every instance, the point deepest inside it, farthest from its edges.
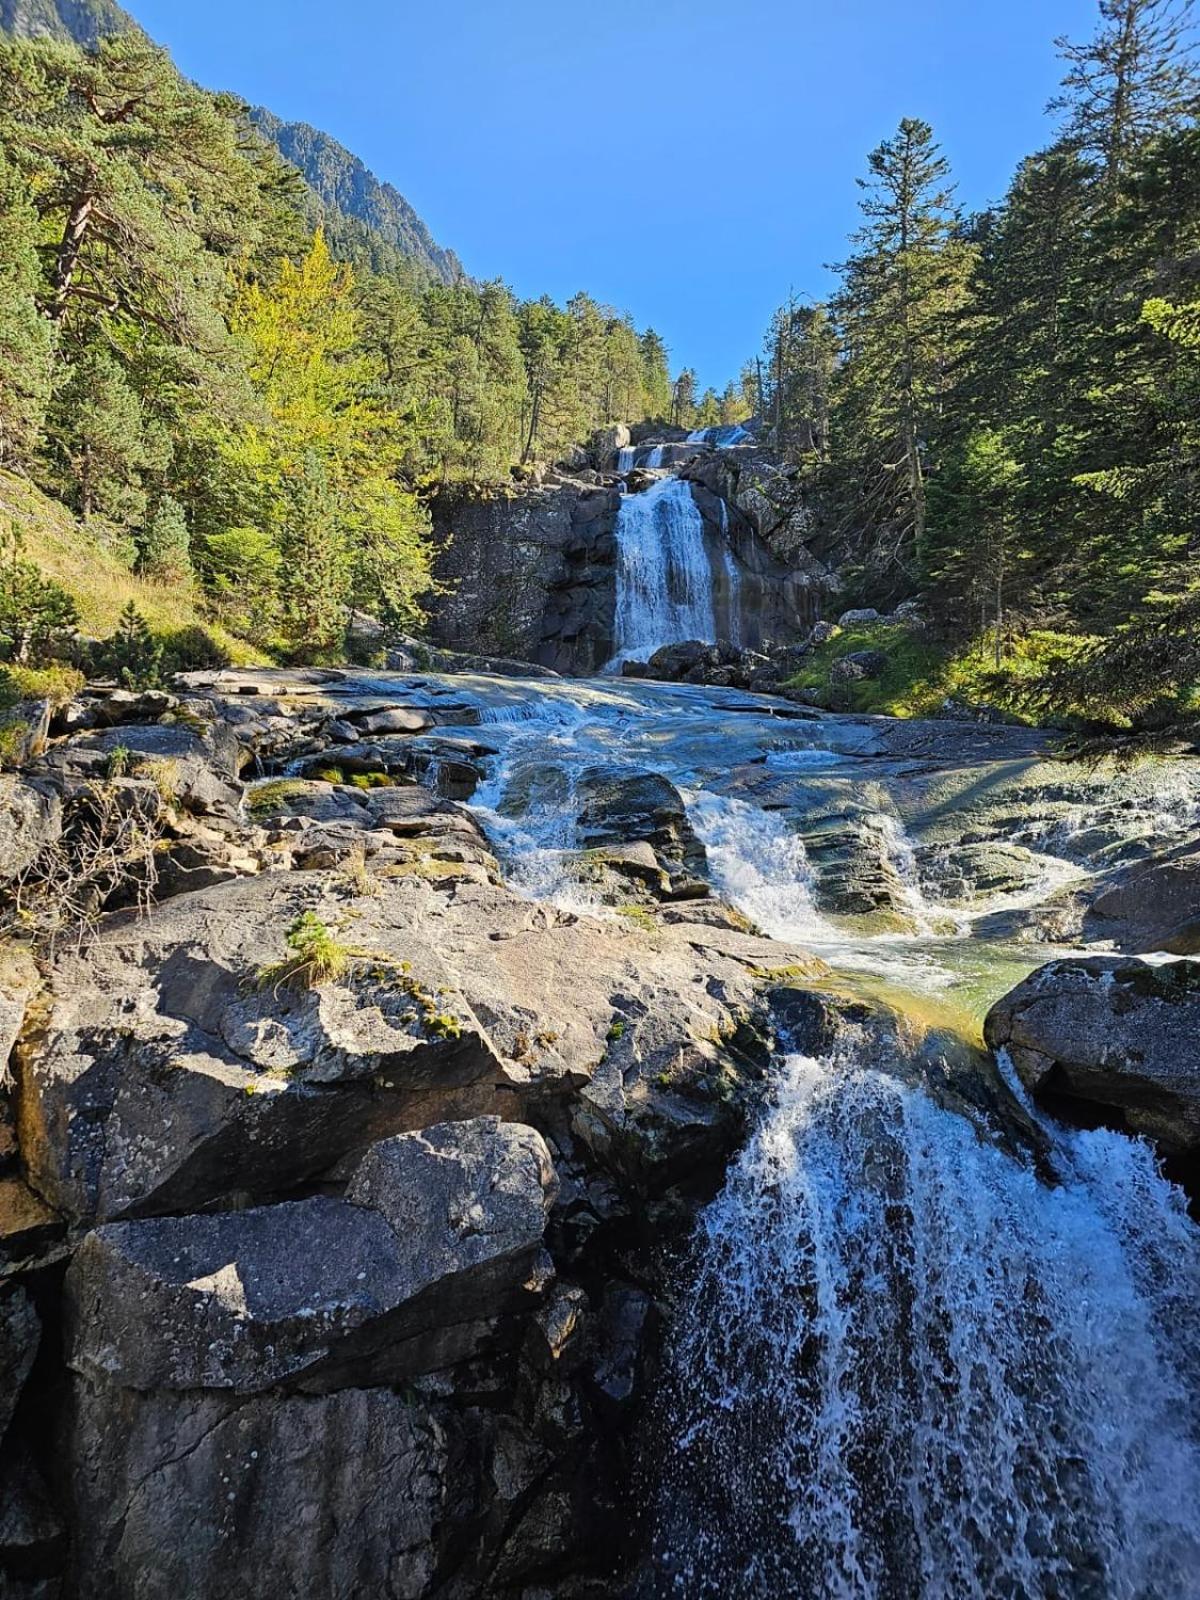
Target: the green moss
(638, 915)
(615, 1032)
(275, 795)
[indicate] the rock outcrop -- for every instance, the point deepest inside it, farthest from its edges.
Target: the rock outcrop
(528, 572)
(1110, 1039)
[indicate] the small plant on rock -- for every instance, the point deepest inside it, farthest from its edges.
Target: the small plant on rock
(116, 762)
(316, 957)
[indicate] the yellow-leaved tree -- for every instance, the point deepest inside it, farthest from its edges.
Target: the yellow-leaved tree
(349, 534)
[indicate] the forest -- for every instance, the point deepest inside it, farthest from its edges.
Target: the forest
(1000, 412)
(997, 412)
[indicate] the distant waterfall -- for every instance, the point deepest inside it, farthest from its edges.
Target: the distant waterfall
(908, 1369)
(654, 456)
(721, 438)
(664, 577)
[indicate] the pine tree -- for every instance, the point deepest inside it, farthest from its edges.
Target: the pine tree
(26, 337)
(903, 291)
(133, 655)
(100, 429)
(37, 616)
(1136, 77)
(164, 549)
(314, 566)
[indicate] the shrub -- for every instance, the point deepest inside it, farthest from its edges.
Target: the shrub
(57, 683)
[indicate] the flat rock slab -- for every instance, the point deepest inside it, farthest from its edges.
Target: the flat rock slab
(170, 1073)
(436, 1241)
(1121, 1035)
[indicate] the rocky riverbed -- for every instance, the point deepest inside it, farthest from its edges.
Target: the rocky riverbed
(361, 1276)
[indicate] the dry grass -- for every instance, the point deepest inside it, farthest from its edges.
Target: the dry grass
(89, 566)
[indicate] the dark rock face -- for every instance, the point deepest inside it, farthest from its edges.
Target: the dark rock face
(619, 808)
(1156, 907)
(532, 573)
(1111, 1037)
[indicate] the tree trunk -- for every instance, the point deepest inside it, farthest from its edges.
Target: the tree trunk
(67, 259)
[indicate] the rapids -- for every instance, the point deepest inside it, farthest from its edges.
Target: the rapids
(905, 1365)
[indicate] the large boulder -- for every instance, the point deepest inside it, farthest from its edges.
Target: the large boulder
(237, 1374)
(1113, 1037)
(436, 1239)
(173, 1070)
(619, 807)
(200, 769)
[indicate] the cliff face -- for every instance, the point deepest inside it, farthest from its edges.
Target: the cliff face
(83, 22)
(529, 573)
(345, 186)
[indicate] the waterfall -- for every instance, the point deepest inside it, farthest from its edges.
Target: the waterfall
(626, 460)
(908, 1369)
(664, 578)
(654, 456)
(721, 438)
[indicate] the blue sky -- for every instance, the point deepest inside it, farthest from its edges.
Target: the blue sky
(686, 162)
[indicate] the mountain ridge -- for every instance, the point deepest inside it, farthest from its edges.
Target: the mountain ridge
(342, 187)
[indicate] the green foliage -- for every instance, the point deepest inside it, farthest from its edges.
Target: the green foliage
(315, 957)
(37, 616)
(133, 655)
(164, 549)
(925, 670)
(56, 683)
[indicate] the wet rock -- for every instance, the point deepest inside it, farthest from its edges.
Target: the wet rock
(675, 661)
(619, 807)
(397, 719)
(1152, 908)
(1110, 1038)
(978, 871)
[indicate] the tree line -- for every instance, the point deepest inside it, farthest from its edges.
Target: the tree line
(236, 400)
(1001, 411)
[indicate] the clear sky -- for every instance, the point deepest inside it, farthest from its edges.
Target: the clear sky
(688, 162)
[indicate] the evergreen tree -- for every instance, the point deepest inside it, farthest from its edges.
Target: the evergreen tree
(314, 565)
(37, 616)
(99, 421)
(656, 375)
(164, 549)
(1135, 78)
(132, 654)
(26, 337)
(898, 312)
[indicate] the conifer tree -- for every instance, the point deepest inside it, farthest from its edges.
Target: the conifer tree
(898, 310)
(1134, 78)
(164, 549)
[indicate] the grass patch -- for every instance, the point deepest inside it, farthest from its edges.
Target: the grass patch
(92, 565)
(275, 795)
(163, 772)
(316, 956)
(639, 916)
(923, 672)
(57, 683)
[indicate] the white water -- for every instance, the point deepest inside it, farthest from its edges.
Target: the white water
(664, 578)
(626, 460)
(908, 1369)
(906, 1366)
(721, 438)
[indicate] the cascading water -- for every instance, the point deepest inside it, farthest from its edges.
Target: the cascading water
(903, 1365)
(908, 1369)
(664, 577)
(721, 438)
(626, 460)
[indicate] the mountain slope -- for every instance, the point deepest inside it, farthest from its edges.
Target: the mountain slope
(347, 187)
(84, 22)
(368, 220)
